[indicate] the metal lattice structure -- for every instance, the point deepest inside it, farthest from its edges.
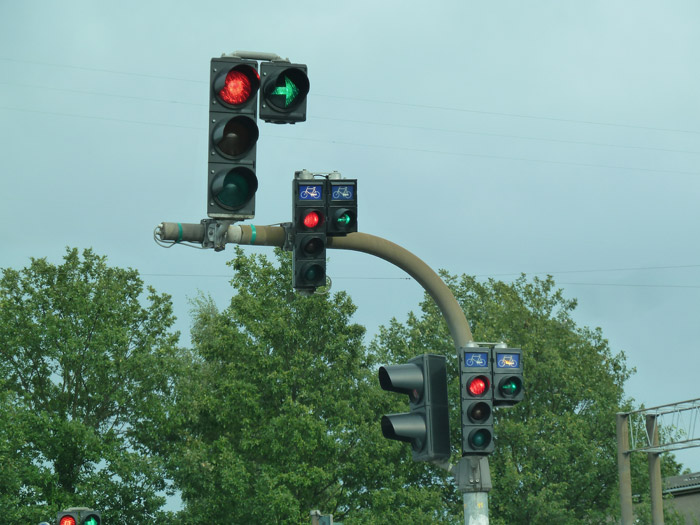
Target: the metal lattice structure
(677, 426)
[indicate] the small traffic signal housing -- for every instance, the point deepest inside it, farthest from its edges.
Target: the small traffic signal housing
(233, 134)
(341, 201)
(309, 226)
(477, 401)
(284, 90)
(426, 427)
(79, 516)
(507, 366)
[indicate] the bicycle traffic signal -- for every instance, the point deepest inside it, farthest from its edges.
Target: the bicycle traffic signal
(477, 401)
(507, 376)
(284, 90)
(233, 134)
(426, 427)
(309, 226)
(79, 516)
(341, 200)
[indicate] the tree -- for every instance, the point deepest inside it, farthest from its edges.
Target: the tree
(281, 414)
(555, 458)
(86, 374)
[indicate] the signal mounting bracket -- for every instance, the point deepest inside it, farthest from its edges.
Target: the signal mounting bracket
(255, 55)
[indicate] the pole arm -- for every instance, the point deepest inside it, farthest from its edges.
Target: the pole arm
(416, 268)
(361, 242)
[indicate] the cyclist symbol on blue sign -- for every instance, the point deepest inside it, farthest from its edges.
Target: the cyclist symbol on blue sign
(342, 193)
(310, 192)
(475, 360)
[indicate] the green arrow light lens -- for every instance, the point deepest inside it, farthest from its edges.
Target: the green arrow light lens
(510, 387)
(289, 91)
(344, 219)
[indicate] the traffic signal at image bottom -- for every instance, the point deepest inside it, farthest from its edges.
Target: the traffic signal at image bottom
(477, 401)
(79, 516)
(426, 426)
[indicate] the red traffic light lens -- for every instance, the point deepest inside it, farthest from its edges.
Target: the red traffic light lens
(67, 520)
(311, 219)
(478, 386)
(238, 86)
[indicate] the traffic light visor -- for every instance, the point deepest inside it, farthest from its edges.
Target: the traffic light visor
(404, 379)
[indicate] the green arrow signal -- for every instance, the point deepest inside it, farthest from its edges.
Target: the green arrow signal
(289, 91)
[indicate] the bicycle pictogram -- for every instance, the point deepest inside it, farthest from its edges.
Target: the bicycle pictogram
(507, 361)
(476, 360)
(310, 192)
(342, 192)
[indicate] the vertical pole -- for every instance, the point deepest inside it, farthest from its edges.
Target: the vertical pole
(657, 502)
(476, 508)
(623, 468)
(315, 515)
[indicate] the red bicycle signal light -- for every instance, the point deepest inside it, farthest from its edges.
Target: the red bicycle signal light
(238, 85)
(312, 219)
(478, 386)
(67, 520)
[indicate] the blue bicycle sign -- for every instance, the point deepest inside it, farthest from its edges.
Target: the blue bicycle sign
(311, 192)
(343, 193)
(508, 360)
(476, 359)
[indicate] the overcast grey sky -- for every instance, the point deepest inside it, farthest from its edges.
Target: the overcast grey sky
(488, 138)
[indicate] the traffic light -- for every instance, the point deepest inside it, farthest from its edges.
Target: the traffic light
(507, 376)
(284, 90)
(477, 401)
(79, 516)
(233, 134)
(309, 226)
(68, 518)
(341, 200)
(426, 427)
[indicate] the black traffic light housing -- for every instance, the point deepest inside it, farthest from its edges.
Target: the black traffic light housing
(283, 93)
(507, 365)
(426, 427)
(233, 134)
(79, 516)
(309, 227)
(341, 200)
(476, 394)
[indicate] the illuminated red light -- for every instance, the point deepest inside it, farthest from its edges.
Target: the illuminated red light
(478, 386)
(67, 520)
(237, 88)
(312, 219)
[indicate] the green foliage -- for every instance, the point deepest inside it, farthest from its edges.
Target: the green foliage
(85, 378)
(280, 414)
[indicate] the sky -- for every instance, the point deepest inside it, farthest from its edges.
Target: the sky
(488, 138)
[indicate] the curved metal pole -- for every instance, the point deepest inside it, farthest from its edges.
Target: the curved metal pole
(421, 272)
